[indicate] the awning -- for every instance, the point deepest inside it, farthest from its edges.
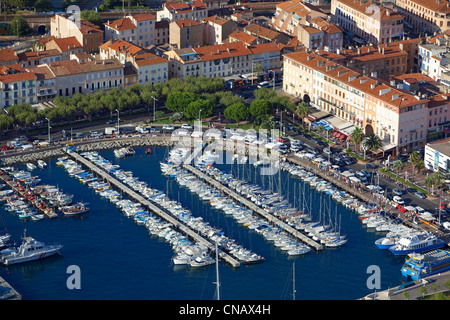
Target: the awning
(354, 179)
(347, 174)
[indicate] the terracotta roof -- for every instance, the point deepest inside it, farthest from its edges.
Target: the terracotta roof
(216, 20)
(186, 23)
(7, 55)
(265, 47)
(12, 68)
(310, 29)
(121, 46)
(222, 51)
(68, 67)
(371, 53)
(261, 31)
(17, 77)
(42, 72)
(121, 24)
(87, 27)
(441, 6)
(65, 44)
(148, 59)
(143, 16)
(185, 7)
(34, 55)
(239, 35)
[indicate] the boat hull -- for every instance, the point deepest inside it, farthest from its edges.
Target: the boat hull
(420, 250)
(38, 256)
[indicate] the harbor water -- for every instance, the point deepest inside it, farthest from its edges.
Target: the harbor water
(119, 259)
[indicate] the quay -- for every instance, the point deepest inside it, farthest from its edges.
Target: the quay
(155, 209)
(7, 292)
(254, 207)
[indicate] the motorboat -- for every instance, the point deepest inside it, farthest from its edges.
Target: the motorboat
(30, 250)
(42, 164)
(76, 208)
(31, 166)
(417, 243)
(419, 265)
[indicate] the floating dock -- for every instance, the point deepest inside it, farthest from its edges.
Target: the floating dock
(269, 217)
(155, 209)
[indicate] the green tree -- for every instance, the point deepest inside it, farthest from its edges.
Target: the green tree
(91, 16)
(203, 107)
(414, 158)
(19, 26)
(302, 110)
(398, 165)
(357, 137)
(373, 142)
(238, 112)
(260, 108)
(179, 101)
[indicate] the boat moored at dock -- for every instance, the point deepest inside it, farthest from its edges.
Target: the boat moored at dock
(419, 266)
(416, 243)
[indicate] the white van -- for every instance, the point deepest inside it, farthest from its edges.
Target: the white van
(263, 84)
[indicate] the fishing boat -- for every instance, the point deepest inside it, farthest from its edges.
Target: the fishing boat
(42, 164)
(76, 208)
(31, 166)
(30, 250)
(419, 266)
(417, 243)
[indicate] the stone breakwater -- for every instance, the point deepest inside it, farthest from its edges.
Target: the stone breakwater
(13, 157)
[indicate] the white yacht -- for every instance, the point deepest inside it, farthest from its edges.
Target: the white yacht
(30, 250)
(30, 166)
(42, 164)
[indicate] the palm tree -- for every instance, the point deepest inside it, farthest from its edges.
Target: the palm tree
(373, 142)
(429, 182)
(357, 136)
(414, 158)
(437, 179)
(398, 165)
(302, 110)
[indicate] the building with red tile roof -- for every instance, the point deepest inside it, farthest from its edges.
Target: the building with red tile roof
(173, 11)
(396, 116)
(367, 20)
(89, 35)
(8, 56)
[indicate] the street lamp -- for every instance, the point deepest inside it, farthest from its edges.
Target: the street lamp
(118, 122)
(48, 129)
(154, 101)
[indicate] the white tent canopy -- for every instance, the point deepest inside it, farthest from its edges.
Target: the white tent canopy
(347, 174)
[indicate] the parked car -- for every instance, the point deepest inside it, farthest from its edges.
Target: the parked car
(369, 166)
(186, 126)
(168, 127)
(420, 195)
(398, 200)
(397, 192)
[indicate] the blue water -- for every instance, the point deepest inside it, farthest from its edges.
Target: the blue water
(119, 259)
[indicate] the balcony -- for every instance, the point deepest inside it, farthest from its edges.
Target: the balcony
(43, 93)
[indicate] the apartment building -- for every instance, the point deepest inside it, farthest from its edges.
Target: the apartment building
(431, 55)
(73, 77)
(367, 21)
(45, 83)
(174, 11)
(426, 15)
(217, 29)
(150, 68)
(162, 32)
(65, 46)
(87, 34)
(186, 33)
(17, 88)
(240, 36)
(119, 49)
(223, 60)
(145, 29)
(291, 14)
(265, 34)
(397, 117)
(381, 61)
(123, 28)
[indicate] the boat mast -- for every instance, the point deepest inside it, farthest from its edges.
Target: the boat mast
(217, 274)
(293, 281)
